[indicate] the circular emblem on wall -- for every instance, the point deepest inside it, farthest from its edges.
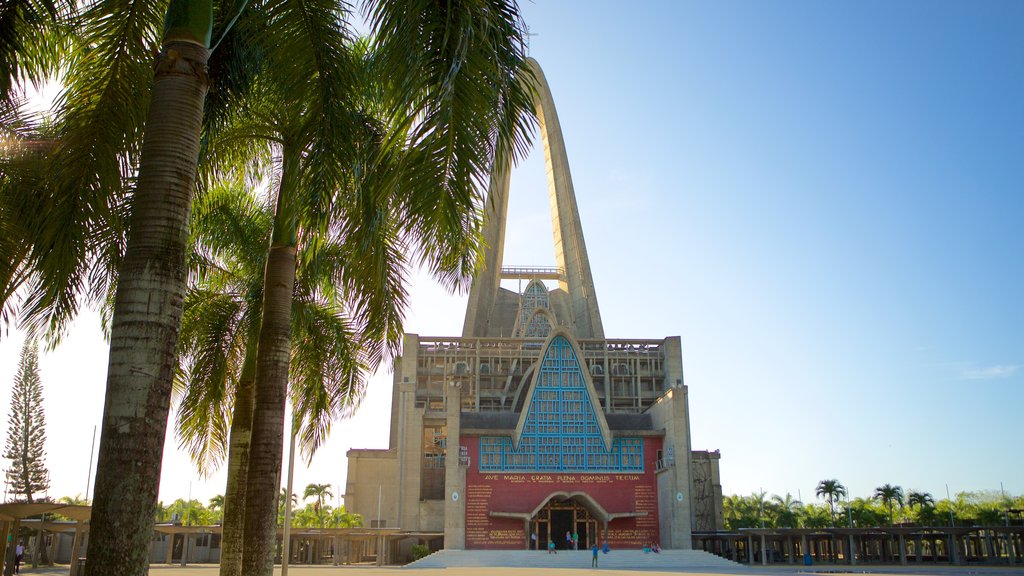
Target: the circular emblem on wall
(679, 496)
(455, 496)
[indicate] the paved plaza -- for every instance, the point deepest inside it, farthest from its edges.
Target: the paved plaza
(824, 570)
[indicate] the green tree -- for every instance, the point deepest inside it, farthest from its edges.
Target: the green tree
(320, 492)
(453, 83)
(817, 516)
(452, 80)
(741, 512)
(283, 497)
(924, 503)
(787, 511)
(76, 500)
(890, 495)
(340, 518)
(26, 430)
(832, 490)
(150, 288)
(218, 345)
(187, 513)
(865, 513)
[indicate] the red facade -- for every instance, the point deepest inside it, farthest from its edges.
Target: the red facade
(514, 492)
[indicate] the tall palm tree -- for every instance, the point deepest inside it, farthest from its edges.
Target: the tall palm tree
(217, 349)
(147, 304)
(889, 495)
(832, 490)
(455, 92)
(321, 492)
(453, 83)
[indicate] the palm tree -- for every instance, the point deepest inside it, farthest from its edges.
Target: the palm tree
(147, 304)
(340, 518)
(217, 349)
(832, 490)
(282, 499)
(889, 494)
(922, 500)
(321, 492)
(453, 86)
(788, 511)
(456, 95)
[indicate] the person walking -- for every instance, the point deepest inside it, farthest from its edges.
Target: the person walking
(593, 549)
(575, 540)
(19, 552)
(533, 540)
(568, 540)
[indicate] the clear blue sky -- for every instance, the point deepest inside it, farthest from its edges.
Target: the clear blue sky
(824, 199)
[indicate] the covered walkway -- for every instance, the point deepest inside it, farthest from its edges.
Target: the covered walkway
(902, 545)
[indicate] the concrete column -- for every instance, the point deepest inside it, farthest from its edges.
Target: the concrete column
(1011, 555)
(170, 548)
(803, 545)
(954, 550)
(750, 550)
(735, 550)
(37, 546)
(919, 549)
(53, 548)
(851, 550)
(4, 533)
(75, 545)
(12, 543)
(764, 552)
(184, 549)
(789, 550)
(454, 475)
(903, 550)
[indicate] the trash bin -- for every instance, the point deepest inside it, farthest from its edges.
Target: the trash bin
(807, 560)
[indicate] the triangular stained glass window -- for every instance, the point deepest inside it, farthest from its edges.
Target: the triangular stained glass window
(562, 432)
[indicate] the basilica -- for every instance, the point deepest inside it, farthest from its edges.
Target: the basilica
(533, 425)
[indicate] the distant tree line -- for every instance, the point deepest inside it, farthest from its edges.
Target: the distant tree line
(888, 505)
(315, 514)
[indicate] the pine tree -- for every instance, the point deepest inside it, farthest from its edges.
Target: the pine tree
(26, 433)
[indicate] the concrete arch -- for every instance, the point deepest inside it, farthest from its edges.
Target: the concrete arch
(570, 247)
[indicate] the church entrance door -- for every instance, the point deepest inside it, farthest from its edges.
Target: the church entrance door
(560, 516)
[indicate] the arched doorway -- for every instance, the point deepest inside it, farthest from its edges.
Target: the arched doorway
(561, 515)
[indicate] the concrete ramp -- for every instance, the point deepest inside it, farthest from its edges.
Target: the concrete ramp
(665, 561)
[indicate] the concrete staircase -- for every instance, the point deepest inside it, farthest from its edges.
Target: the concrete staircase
(664, 561)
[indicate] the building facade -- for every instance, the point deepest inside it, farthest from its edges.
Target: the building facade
(533, 425)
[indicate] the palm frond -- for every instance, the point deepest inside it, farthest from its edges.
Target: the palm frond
(460, 81)
(35, 35)
(327, 373)
(211, 357)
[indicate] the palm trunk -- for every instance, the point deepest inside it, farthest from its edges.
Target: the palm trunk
(147, 318)
(238, 464)
(272, 365)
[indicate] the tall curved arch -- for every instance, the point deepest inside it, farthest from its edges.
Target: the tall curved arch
(570, 248)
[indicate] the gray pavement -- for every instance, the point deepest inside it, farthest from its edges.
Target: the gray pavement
(365, 570)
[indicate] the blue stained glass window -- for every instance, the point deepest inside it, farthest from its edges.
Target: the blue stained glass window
(561, 432)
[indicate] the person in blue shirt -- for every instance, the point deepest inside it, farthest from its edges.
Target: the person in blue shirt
(593, 549)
